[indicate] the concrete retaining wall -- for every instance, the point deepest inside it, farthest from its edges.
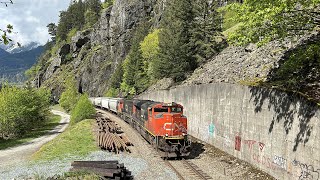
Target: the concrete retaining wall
(277, 132)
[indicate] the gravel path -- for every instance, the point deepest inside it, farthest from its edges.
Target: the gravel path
(21, 153)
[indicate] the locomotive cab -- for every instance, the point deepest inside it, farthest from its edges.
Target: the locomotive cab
(167, 122)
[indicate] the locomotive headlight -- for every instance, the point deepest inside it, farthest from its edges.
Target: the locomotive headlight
(167, 135)
(183, 134)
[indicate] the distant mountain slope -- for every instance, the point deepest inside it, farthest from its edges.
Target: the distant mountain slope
(13, 64)
(3, 53)
(14, 48)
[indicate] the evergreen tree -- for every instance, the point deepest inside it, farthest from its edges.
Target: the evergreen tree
(92, 11)
(73, 18)
(63, 26)
(52, 29)
(135, 77)
(175, 56)
(206, 28)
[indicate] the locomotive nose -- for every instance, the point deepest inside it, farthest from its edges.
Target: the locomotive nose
(175, 125)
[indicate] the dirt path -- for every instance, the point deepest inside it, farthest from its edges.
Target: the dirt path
(23, 152)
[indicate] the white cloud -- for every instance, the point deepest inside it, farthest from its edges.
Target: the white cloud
(30, 18)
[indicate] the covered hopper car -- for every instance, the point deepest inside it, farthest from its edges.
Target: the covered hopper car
(162, 124)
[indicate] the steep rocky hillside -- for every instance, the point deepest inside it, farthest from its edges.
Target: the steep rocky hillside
(93, 54)
(287, 65)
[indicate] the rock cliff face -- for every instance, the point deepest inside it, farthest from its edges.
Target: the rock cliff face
(93, 54)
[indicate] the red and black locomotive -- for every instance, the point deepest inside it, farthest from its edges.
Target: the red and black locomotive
(161, 124)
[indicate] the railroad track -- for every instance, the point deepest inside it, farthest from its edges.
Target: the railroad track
(185, 167)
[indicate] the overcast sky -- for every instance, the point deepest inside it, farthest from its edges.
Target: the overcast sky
(30, 18)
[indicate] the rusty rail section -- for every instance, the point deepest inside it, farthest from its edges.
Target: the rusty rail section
(110, 136)
(106, 169)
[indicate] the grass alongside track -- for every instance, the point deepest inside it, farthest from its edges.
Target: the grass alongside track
(77, 140)
(53, 121)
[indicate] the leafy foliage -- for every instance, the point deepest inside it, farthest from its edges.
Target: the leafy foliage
(112, 92)
(70, 96)
(263, 21)
(4, 34)
(22, 109)
(82, 110)
(150, 52)
(107, 3)
(301, 67)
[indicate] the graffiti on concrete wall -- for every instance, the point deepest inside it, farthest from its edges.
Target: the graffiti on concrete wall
(211, 128)
(250, 143)
(308, 172)
(254, 147)
(237, 143)
(280, 162)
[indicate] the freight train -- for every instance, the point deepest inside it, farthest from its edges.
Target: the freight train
(162, 124)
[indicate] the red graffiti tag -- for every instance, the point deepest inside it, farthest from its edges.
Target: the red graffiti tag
(250, 143)
(237, 143)
(261, 146)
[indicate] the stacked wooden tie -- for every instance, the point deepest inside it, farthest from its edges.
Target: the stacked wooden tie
(110, 136)
(106, 169)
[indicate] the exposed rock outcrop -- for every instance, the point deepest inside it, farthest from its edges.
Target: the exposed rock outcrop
(248, 64)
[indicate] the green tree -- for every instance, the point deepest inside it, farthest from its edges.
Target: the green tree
(107, 3)
(52, 29)
(206, 30)
(176, 55)
(22, 109)
(4, 34)
(63, 26)
(72, 18)
(263, 21)
(150, 53)
(70, 96)
(134, 75)
(90, 18)
(92, 11)
(82, 110)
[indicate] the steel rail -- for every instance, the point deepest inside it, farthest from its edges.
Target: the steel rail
(201, 175)
(175, 170)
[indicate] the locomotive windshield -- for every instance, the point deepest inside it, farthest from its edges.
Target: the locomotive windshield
(161, 110)
(176, 109)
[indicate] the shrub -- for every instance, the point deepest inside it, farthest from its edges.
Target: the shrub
(83, 110)
(112, 92)
(70, 96)
(22, 109)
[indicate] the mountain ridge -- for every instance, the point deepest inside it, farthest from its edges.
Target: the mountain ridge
(14, 65)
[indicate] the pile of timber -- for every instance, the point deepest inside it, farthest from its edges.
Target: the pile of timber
(110, 136)
(106, 169)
